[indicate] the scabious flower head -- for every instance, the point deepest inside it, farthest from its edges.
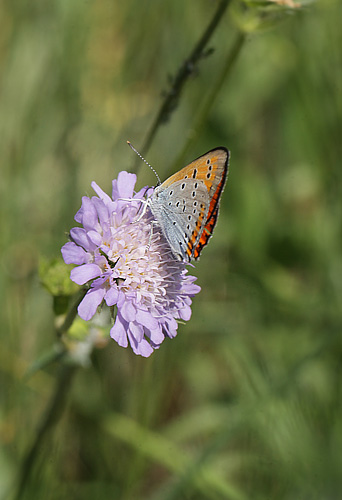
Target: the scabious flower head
(128, 265)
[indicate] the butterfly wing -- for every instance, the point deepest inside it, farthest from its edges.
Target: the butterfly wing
(180, 211)
(186, 204)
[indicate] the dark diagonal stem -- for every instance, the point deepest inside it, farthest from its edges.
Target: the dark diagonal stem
(211, 96)
(50, 418)
(72, 313)
(55, 407)
(186, 69)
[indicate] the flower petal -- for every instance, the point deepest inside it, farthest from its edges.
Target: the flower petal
(142, 348)
(185, 313)
(146, 319)
(101, 209)
(156, 336)
(170, 327)
(136, 330)
(190, 287)
(95, 237)
(90, 303)
(79, 236)
(128, 311)
(140, 194)
(101, 194)
(74, 254)
(118, 332)
(112, 296)
(79, 213)
(89, 216)
(124, 186)
(84, 273)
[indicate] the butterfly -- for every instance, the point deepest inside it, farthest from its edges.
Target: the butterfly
(186, 205)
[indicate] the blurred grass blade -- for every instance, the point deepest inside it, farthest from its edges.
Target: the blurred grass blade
(167, 454)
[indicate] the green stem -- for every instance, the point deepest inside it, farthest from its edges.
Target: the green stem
(72, 313)
(59, 350)
(49, 419)
(204, 111)
(56, 404)
(185, 71)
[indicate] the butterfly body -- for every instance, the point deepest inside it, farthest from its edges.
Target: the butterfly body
(186, 205)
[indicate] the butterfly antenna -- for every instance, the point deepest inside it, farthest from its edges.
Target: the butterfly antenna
(143, 159)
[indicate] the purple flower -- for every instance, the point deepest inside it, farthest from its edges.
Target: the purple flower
(130, 266)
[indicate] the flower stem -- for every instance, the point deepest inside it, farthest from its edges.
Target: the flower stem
(56, 404)
(49, 419)
(72, 313)
(171, 99)
(208, 102)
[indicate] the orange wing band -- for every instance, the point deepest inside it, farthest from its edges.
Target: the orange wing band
(211, 218)
(207, 232)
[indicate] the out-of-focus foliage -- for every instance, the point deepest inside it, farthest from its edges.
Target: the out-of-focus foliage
(246, 401)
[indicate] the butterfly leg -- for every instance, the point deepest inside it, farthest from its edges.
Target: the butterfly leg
(153, 223)
(144, 202)
(143, 212)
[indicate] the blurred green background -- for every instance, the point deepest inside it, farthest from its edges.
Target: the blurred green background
(245, 403)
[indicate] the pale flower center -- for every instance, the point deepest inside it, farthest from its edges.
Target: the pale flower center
(143, 266)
